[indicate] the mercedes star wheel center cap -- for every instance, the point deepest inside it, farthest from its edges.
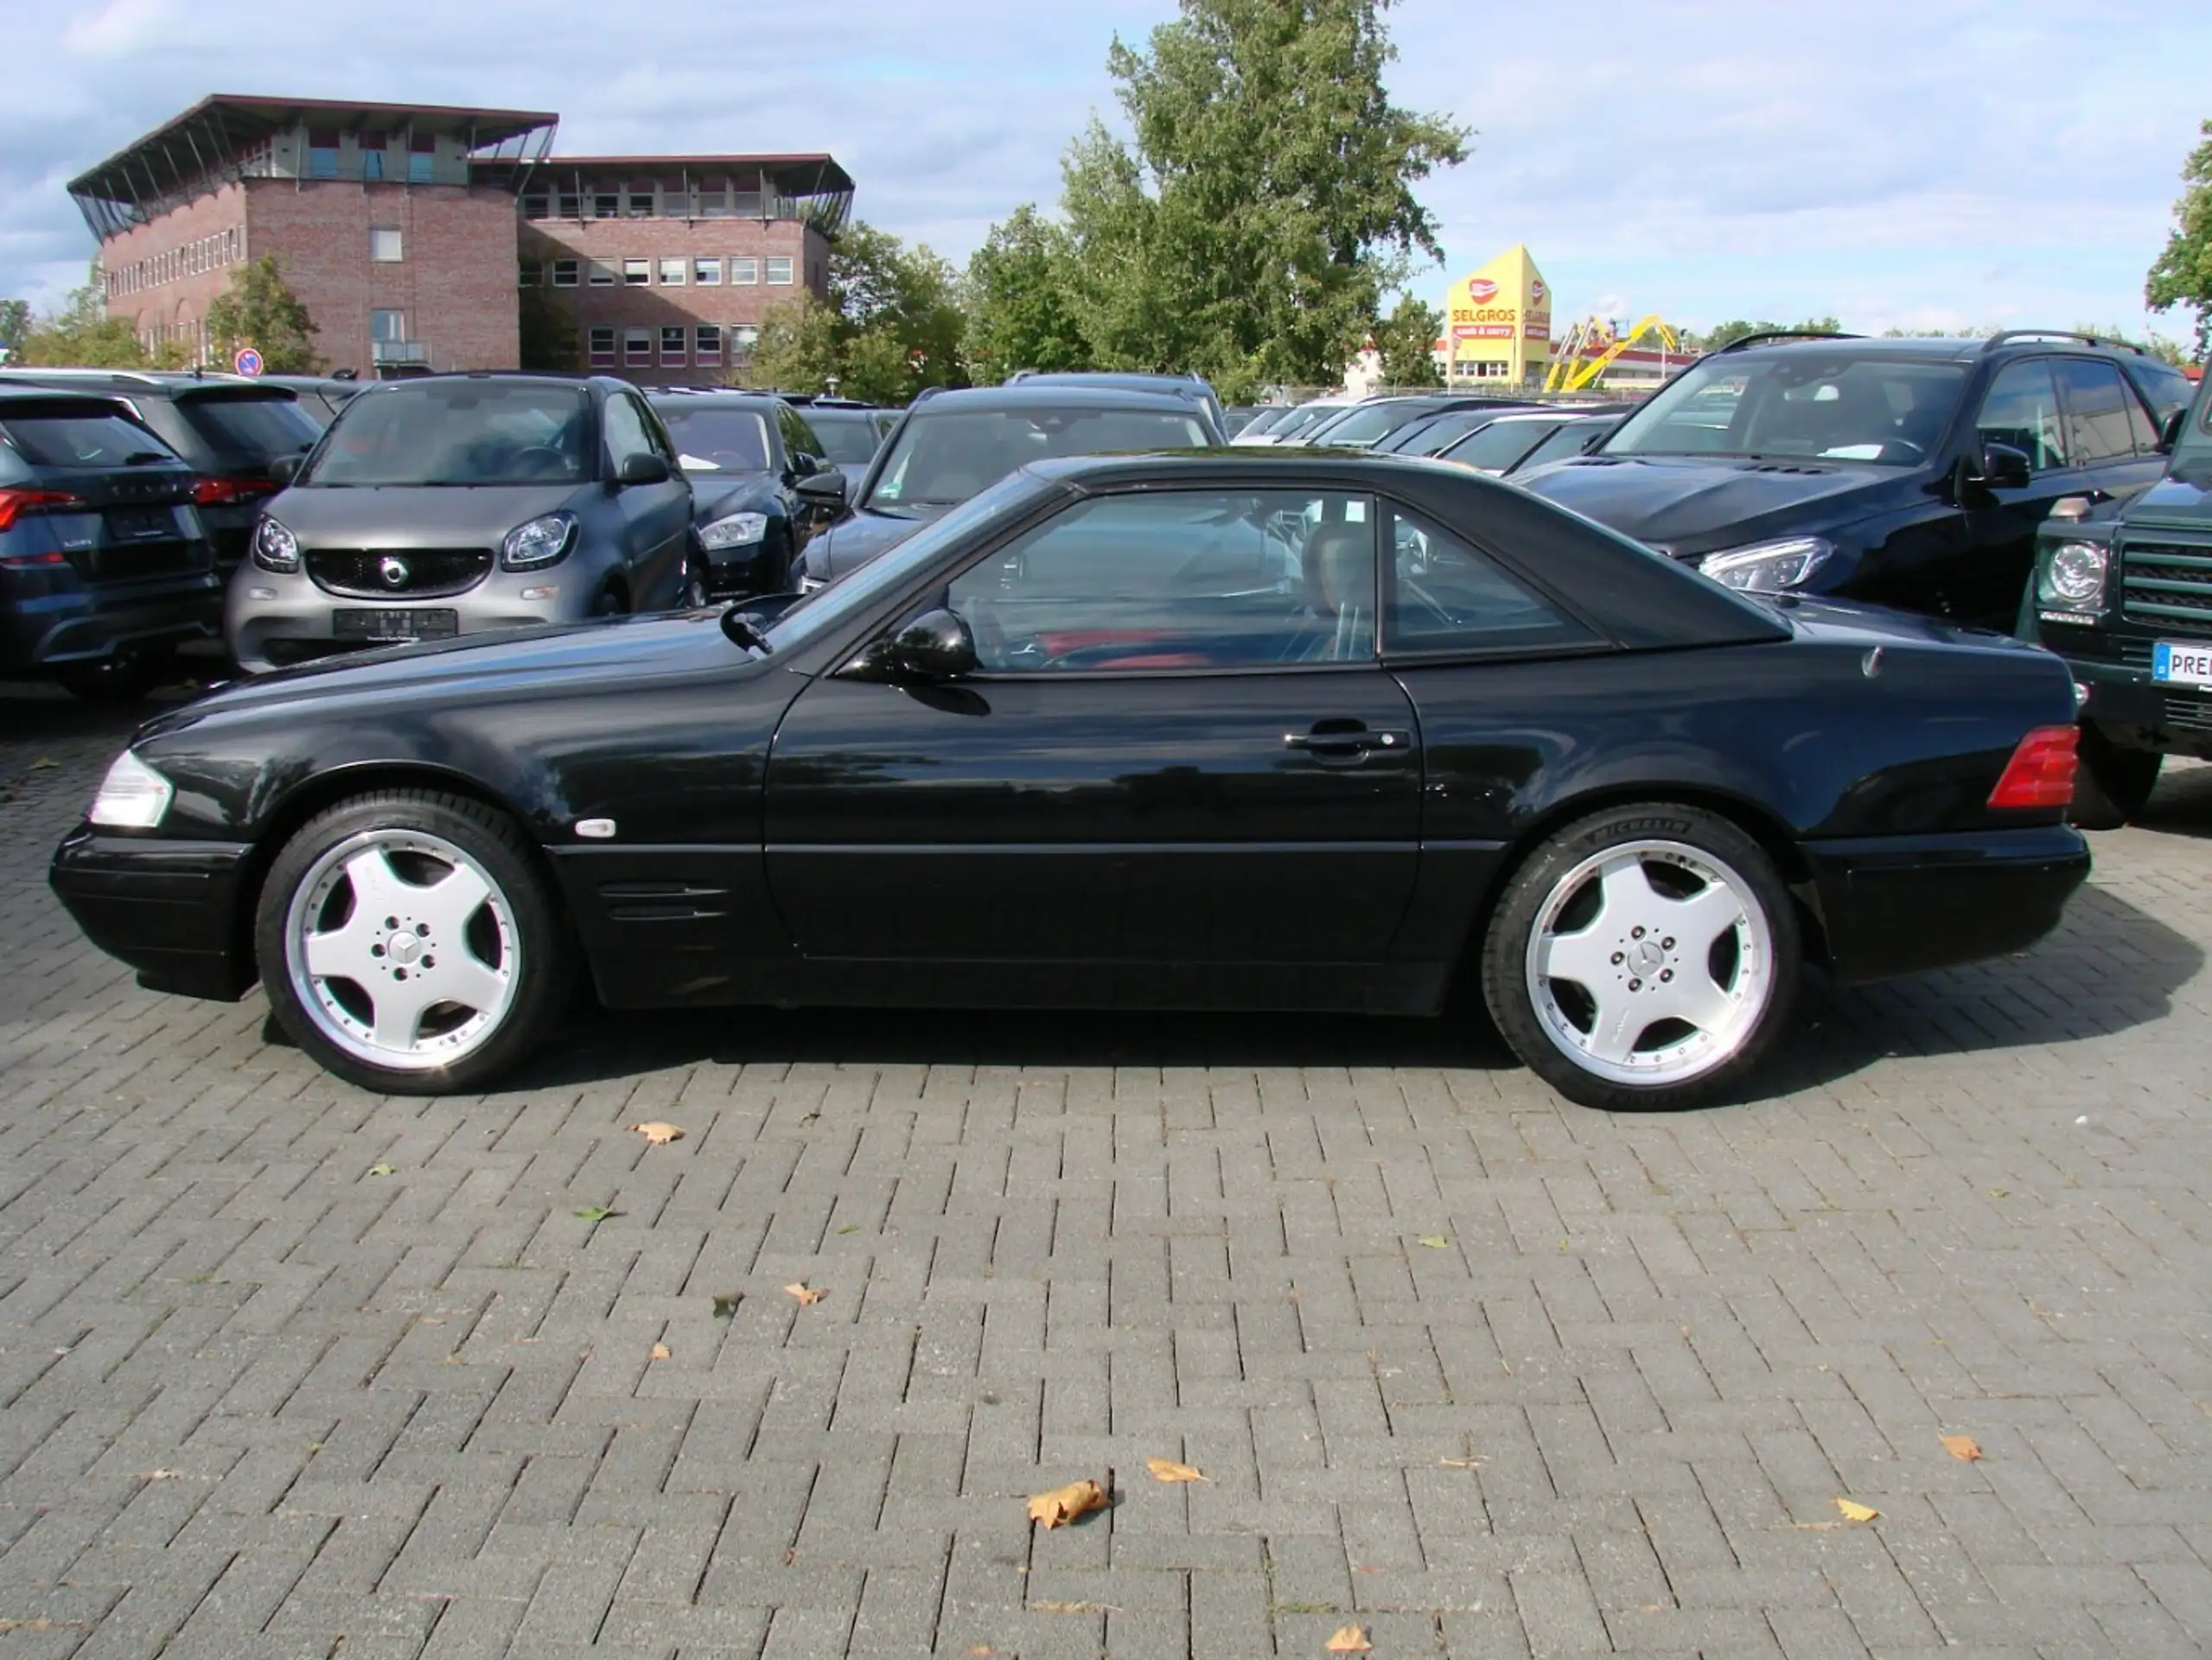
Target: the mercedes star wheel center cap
(394, 571)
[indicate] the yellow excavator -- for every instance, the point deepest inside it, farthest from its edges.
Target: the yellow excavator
(1591, 345)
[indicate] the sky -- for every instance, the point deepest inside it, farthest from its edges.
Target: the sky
(1912, 163)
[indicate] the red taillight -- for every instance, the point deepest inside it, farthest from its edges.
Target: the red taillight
(227, 492)
(14, 503)
(2041, 772)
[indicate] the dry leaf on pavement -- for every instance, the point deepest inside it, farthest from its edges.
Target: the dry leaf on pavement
(1964, 1448)
(1063, 1504)
(1854, 1511)
(1353, 1639)
(1169, 1470)
(806, 1296)
(661, 1351)
(657, 1133)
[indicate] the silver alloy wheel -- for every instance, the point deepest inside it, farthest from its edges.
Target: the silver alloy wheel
(402, 949)
(1663, 968)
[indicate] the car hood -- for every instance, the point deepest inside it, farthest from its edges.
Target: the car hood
(851, 542)
(2180, 501)
(1690, 506)
(717, 494)
(401, 516)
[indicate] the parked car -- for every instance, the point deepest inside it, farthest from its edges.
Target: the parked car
(1264, 420)
(1293, 423)
(456, 504)
(321, 395)
(1223, 730)
(950, 444)
(1236, 416)
(1433, 434)
(745, 453)
(1184, 385)
(229, 430)
(850, 434)
(104, 567)
(1522, 438)
(2123, 592)
(1910, 472)
(1362, 427)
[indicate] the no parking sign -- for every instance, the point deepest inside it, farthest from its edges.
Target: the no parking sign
(248, 361)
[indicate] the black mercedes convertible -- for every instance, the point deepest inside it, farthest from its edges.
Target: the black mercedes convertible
(1247, 728)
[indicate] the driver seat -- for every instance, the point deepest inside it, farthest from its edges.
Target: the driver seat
(1339, 569)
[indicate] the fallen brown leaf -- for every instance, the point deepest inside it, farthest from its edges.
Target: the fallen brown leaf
(1169, 1470)
(1854, 1511)
(657, 1133)
(661, 1351)
(1353, 1639)
(806, 1296)
(1050, 1607)
(1964, 1448)
(1461, 1464)
(1063, 1504)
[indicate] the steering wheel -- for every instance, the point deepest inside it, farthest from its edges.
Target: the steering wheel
(542, 461)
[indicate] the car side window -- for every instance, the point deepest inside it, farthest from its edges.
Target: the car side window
(798, 437)
(1445, 596)
(626, 431)
(2021, 409)
(1179, 580)
(2167, 388)
(2097, 410)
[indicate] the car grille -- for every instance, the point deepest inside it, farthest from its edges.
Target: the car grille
(360, 572)
(2191, 715)
(2166, 581)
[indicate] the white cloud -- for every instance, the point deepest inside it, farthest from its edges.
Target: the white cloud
(121, 28)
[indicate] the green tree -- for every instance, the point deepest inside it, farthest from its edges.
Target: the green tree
(1021, 311)
(798, 348)
(79, 333)
(893, 324)
(1721, 333)
(15, 326)
(1266, 202)
(2182, 274)
(260, 311)
(545, 333)
(1406, 341)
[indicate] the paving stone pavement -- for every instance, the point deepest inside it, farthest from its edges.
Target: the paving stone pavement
(287, 1371)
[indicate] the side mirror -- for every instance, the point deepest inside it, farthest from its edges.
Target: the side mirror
(283, 470)
(823, 491)
(2003, 468)
(2170, 429)
(935, 645)
(643, 470)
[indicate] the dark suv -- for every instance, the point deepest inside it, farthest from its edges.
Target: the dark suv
(228, 430)
(103, 566)
(2123, 591)
(1909, 472)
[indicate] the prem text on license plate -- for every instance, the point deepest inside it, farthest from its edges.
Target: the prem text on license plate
(2182, 665)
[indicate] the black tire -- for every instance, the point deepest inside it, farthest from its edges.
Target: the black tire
(544, 941)
(691, 581)
(1506, 949)
(612, 601)
(2112, 784)
(112, 680)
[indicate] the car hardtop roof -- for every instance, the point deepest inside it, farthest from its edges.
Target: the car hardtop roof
(1947, 348)
(730, 397)
(140, 382)
(1034, 394)
(604, 383)
(1109, 377)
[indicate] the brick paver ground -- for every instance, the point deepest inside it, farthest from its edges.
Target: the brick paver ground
(289, 1371)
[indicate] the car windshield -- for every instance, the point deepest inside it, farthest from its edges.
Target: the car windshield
(458, 432)
(255, 426)
(827, 608)
(1494, 447)
(1795, 405)
(942, 459)
(850, 436)
(1362, 425)
(1570, 440)
(1303, 418)
(81, 437)
(712, 440)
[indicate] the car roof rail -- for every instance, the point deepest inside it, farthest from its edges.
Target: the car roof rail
(2003, 335)
(1765, 334)
(924, 396)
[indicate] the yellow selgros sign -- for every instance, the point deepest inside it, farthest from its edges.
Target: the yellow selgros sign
(1498, 325)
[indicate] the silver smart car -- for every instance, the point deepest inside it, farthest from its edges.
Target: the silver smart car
(456, 504)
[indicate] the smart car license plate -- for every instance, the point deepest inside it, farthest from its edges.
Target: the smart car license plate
(391, 627)
(2180, 664)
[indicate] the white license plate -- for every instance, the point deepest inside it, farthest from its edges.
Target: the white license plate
(2182, 665)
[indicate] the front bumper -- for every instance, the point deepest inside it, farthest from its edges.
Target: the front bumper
(273, 620)
(171, 910)
(2135, 711)
(1902, 904)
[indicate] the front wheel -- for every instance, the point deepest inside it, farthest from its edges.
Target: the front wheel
(2112, 784)
(409, 943)
(1644, 958)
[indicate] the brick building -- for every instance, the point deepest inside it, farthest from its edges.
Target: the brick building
(405, 230)
(665, 265)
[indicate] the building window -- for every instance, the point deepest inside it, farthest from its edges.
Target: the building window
(526, 274)
(422, 157)
(744, 273)
(742, 339)
(384, 244)
(671, 273)
(534, 206)
(672, 343)
(714, 200)
(607, 204)
(323, 152)
(600, 348)
(637, 348)
(779, 273)
(387, 327)
(603, 274)
(708, 349)
(569, 205)
(565, 273)
(637, 273)
(707, 273)
(372, 145)
(641, 204)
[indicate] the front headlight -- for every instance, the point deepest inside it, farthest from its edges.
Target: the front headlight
(2071, 577)
(275, 548)
(542, 541)
(737, 530)
(1768, 567)
(133, 797)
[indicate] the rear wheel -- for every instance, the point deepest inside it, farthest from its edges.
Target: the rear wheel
(2112, 784)
(1644, 958)
(409, 943)
(691, 582)
(112, 680)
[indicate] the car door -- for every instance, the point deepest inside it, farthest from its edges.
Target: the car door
(1179, 757)
(656, 518)
(2020, 409)
(2110, 430)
